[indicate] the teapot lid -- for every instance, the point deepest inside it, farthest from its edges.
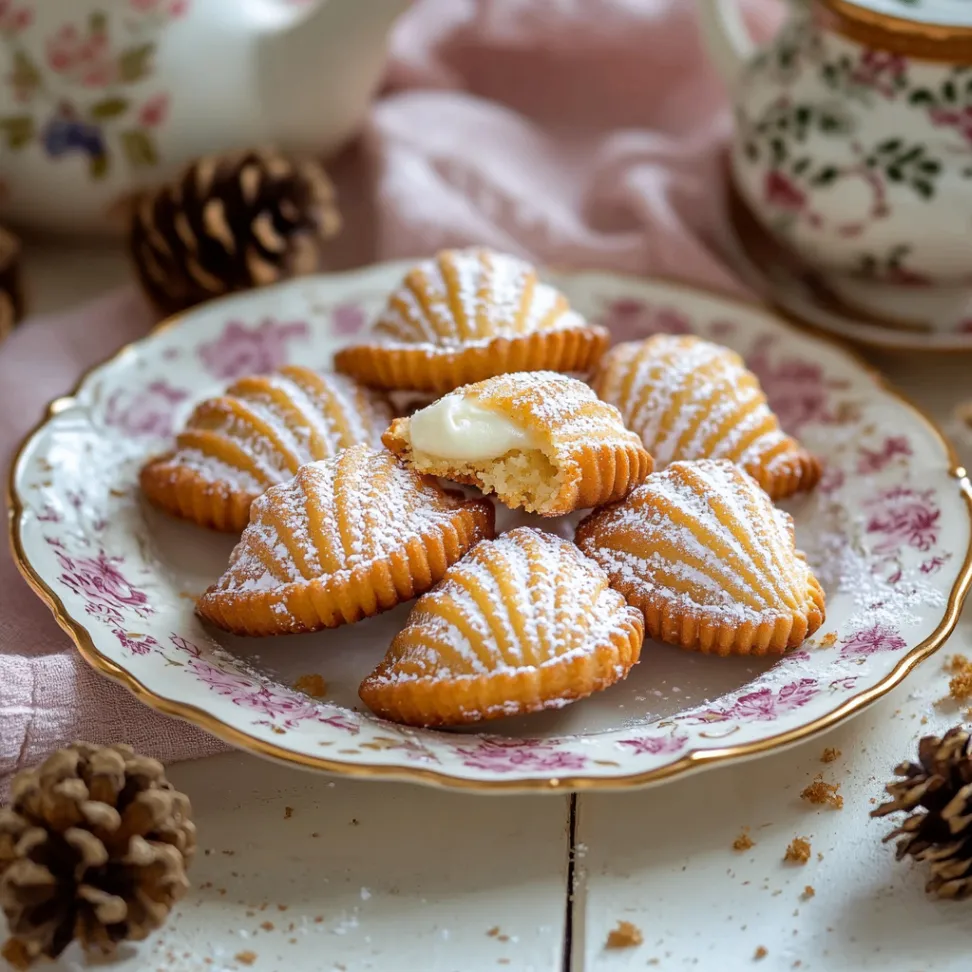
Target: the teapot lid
(938, 30)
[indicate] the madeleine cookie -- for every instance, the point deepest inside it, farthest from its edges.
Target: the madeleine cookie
(466, 315)
(346, 538)
(258, 433)
(691, 399)
(538, 440)
(522, 623)
(702, 551)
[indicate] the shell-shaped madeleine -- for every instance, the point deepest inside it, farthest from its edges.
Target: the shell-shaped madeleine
(258, 433)
(346, 538)
(702, 551)
(690, 399)
(465, 315)
(539, 440)
(522, 623)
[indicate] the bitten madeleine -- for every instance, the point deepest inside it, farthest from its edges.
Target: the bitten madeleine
(538, 440)
(258, 433)
(702, 551)
(522, 623)
(691, 399)
(346, 538)
(466, 315)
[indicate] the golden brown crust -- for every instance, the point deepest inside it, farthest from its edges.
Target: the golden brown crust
(440, 370)
(349, 596)
(182, 492)
(458, 701)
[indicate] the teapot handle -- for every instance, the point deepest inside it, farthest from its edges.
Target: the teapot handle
(726, 36)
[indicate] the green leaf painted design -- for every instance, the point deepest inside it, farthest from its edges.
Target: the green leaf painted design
(18, 130)
(135, 63)
(98, 22)
(98, 166)
(25, 76)
(139, 148)
(109, 108)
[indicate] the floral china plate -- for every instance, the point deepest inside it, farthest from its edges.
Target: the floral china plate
(887, 530)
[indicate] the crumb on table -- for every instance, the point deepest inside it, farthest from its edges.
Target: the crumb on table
(494, 931)
(625, 935)
(245, 958)
(760, 953)
(821, 793)
(960, 684)
(288, 812)
(808, 892)
(829, 755)
(743, 841)
(311, 684)
(798, 852)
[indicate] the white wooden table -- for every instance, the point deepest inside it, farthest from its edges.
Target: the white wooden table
(394, 877)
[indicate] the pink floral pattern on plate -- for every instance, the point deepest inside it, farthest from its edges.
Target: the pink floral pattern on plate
(889, 512)
(241, 350)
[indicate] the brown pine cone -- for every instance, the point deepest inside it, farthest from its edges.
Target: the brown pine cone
(11, 296)
(940, 783)
(94, 846)
(229, 223)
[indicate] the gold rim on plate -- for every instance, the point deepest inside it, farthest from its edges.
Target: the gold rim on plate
(694, 759)
(900, 35)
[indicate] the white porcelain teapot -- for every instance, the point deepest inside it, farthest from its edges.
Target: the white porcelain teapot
(853, 146)
(101, 97)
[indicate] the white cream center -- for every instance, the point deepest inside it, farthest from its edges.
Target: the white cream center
(456, 428)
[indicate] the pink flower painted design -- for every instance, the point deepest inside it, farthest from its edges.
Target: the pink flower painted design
(934, 564)
(877, 638)
(763, 705)
(628, 318)
(880, 70)
(242, 350)
(874, 460)
(137, 645)
(49, 515)
(831, 479)
(797, 390)
(154, 111)
(723, 327)
(498, 755)
(781, 191)
(844, 684)
(101, 583)
(146, 412)
(14, 17)
(903, 517)
(654, 745)
(959, 119)
(348, 319)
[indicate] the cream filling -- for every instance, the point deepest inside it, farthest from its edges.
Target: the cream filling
(457, 428)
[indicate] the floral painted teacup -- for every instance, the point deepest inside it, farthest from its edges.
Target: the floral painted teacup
(100, 97)
(853, 146)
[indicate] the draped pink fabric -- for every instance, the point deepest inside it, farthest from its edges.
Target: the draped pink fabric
(575, 132)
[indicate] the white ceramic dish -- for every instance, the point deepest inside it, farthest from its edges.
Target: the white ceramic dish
(888, 531)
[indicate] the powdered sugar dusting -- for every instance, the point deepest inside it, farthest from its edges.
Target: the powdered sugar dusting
(469, 297)
(702, 534)
(691, 399)
(333, 516)
(262, 429)
(524, 600)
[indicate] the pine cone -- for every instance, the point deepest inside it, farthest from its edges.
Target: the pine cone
(941, 784)
(229, 223)
(94, 846)
(11, 296)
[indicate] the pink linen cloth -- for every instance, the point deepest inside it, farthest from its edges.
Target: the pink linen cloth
(584, 133)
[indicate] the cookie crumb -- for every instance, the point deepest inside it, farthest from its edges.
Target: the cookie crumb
(821, 793)
(245, 958)
(626, 935)
(288, 812)
(743, 841)
(311, 684)
(760, 953)
(494, 931)
(808, 892)
(798, 852)
(829, 755)
(829, 640)
(960, 684)
(267, 925)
